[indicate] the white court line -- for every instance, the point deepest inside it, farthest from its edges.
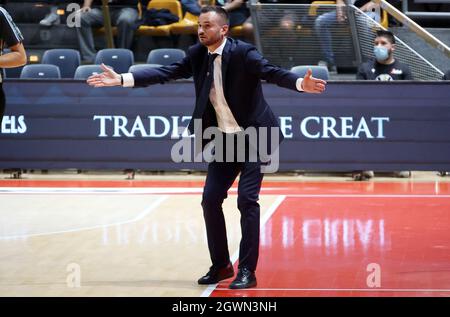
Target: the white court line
(107, 190)
(99, 190)
(186, 190)
(143, 214)
(369, 196)
(339, 289)
(235, 256)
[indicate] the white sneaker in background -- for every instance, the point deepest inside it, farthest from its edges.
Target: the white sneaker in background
(403, 174)
(331, 67)
(362, 175)
(51, 19)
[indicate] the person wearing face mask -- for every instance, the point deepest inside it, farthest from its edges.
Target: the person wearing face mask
(386, 68)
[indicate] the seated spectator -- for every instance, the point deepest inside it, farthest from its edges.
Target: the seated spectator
(386, 68)
(240, 14)
(290, 20)
(124, 15)
(327, 21)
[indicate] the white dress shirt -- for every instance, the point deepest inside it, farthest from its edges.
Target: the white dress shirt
(225, 119)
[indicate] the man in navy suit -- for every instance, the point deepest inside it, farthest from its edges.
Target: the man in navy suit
(227, 75)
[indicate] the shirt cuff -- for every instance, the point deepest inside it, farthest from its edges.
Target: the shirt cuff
(128, 80)
(298, 84)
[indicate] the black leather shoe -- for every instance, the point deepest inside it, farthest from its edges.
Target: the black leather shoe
(215, 275)
(244, 279)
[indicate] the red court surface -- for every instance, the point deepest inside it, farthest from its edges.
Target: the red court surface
(322, 245)
(325, 238)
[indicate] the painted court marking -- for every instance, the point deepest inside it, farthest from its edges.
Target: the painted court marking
(140, 216)
(187, 190)
(109, 190)
(167, 191)
(336, 289)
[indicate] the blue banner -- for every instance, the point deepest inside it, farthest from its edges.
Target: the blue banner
(352, 126)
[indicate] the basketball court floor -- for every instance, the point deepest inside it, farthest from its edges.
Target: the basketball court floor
(100, 235)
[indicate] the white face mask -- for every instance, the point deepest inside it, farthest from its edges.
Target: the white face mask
(381, 53)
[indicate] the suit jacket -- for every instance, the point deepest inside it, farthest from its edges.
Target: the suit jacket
(243, 67)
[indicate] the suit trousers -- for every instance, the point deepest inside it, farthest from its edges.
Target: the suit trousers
(220, 177)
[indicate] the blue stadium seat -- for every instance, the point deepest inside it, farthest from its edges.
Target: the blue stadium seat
(84, 71)
(320, 72)
(142, 66)
(66, 59)
(165, 56)
(12, 72)
(120, 59)
(40, 71)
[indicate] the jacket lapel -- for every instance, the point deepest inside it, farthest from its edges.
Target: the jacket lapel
(225, 60)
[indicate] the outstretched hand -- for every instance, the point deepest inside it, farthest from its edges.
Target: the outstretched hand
(313, 85)
(108, 78)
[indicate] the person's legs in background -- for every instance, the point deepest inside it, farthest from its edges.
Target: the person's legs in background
(191, 6)
(125, 20)
(238, 17)
(322, 27)
(242, 17)
(247, 29)
(93, 18)
(52, 18)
